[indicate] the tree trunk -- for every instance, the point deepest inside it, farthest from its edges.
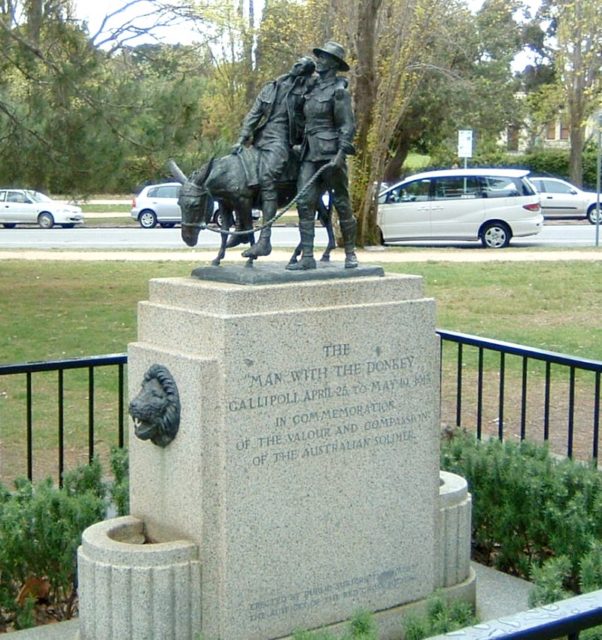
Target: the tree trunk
(248, 38)
(392, 172)
(575, 157)
(364, 96)
(34, 21)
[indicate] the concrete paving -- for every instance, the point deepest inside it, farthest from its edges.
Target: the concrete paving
(368, 255)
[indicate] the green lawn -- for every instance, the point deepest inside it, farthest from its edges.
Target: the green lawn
(53, 310)
(68, 309)
(94, 207)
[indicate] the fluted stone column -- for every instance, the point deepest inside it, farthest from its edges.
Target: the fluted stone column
(129, 588)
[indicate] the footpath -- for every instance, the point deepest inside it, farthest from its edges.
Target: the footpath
(366, 256)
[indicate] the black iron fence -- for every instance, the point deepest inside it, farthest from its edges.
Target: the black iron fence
(491, 387)
(508, 390)
(18, 422)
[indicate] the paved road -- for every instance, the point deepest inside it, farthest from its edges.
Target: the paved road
(128, 238)
(556, 235)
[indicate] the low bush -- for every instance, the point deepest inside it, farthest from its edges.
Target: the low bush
(530, 509)
(441, 617)
(40, 530)
(360, 627)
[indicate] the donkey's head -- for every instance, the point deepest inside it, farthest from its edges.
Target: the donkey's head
(195, 201)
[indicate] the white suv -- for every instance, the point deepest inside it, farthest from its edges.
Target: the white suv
(490, 205)
(561, 199)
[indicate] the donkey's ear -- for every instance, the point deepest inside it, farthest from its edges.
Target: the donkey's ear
(202, 174)
(176, 172)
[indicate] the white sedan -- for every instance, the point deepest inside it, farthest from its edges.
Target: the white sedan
(561, 199)
(23, 206)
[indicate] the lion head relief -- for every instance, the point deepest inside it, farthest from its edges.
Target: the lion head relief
(156, 408)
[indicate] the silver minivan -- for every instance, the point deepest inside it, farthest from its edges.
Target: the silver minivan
(490, 205)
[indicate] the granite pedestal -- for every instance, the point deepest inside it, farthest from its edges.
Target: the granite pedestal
(306, 465)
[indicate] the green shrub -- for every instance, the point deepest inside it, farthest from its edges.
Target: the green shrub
(441, 617)
(120, 489)
(590, 572)
(361, 627)
(527, 506)
(40, 530)
(552, 577)
(550, 580)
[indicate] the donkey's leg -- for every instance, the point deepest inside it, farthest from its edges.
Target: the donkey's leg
(227, 221)
(222, 251)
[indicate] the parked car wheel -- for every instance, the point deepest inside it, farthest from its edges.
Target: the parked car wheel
(9, 225)
(218, 217)
(147, 219)
(45, 220)
(495, 235)
(591, 214)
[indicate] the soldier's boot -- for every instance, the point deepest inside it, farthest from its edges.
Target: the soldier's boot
(263, 247)
(348, 231)
(306, 232)
(235, 240)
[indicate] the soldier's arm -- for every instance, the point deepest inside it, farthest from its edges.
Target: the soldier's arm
(344, 120)
(256, 112)
(345, 123)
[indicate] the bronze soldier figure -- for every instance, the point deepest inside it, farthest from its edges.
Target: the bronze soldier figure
(273, 126)
(328, 139)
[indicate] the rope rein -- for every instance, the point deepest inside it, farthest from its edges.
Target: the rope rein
(203, 225)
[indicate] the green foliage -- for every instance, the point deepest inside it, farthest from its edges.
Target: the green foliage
(441, 617)
(590, 574)
(360, 627)
(549, 581)
(40, 530)
(528, 507)
(553, 577)
(25, 618)
(120, 489)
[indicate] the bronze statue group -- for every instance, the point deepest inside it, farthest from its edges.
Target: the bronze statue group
(293, 144)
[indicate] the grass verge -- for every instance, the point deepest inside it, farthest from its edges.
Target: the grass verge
(67, 309)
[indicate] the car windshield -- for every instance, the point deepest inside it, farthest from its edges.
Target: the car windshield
(36, 196)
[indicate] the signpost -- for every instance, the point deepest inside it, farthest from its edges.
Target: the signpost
(599, 121)
(465, 145)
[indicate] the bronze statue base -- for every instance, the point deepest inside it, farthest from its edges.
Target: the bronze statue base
(275, 273)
